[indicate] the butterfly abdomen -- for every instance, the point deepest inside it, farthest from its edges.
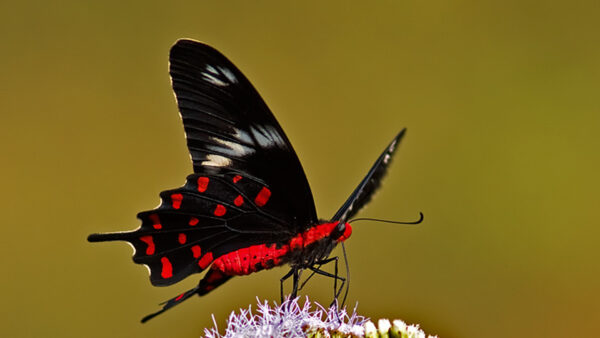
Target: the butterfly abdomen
(251, 259)
(265, 256)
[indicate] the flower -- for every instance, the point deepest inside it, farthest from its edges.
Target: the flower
(290, 319)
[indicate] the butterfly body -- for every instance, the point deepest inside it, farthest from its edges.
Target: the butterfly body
(248, 205)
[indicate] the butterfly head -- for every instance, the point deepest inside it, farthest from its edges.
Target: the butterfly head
(341, 232)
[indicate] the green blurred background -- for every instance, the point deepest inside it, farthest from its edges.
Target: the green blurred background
(502, 108)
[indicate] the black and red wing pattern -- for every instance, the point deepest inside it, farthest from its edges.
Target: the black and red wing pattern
(198, 223)
(230, 129)
(248, 187)
(367, 187)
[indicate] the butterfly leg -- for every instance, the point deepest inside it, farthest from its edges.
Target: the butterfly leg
(317, 270)
(319, 263)
(283, 279)
(296, 280)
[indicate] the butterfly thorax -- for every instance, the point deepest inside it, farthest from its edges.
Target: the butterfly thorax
(302, 250)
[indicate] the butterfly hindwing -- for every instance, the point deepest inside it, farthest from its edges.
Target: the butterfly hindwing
(209, 216)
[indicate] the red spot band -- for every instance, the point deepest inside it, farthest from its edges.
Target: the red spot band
(238, 200)
(193, 221)
(176, 199)
(220, 210)
(196, 251)
(205, 260)
(167, 268)
(148, 240)
(202, 183)
(236, 178)
(263, 196)
(182, 238)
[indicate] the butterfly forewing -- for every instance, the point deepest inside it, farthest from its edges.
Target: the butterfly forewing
(363, 193)
(230, 128)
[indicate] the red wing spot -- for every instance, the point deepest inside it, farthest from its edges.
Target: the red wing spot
(202, 183)
(262, 197)
(193, 221)
(220, 210)
(238, 200)
(167, 268)
(176, 198)
(155, 221)
(236, 178)
(197, 251)
(179, 297)
(182, 238)
(148, 240)
(205, 260)
(209, 287)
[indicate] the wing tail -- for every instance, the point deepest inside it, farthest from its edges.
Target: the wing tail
(172, 302)
(211, 280)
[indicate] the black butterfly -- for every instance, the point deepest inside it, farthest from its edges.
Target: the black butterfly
(248, 205)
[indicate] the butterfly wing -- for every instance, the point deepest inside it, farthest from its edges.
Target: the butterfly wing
(195, 224)
(372, 181)
(229, 128)
(248, 187)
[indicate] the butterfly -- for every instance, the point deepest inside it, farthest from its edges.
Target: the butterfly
(248, 205)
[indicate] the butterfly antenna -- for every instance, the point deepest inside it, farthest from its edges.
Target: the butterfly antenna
(388, 221)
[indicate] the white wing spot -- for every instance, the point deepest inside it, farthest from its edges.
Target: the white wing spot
(228, 74)
(212, 69)
(243, 135)
(238, 149)
(386, 158)
(216, 161)
(266, 136)
(208, 77)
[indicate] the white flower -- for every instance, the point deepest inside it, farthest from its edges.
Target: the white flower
(290, 320)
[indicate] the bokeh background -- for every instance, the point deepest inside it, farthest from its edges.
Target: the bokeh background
(501, 103)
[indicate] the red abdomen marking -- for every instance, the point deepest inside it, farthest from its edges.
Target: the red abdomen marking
(318, 232)
(263, 197)
(265, 256)
(176, 199)
(251, 259)
(167, 268)
(202, 183)
(148, 240)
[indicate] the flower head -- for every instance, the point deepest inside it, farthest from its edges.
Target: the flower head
(290, 319)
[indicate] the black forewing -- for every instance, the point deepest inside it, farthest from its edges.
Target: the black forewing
(229, 128)
(197, 223)
(367, 187)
